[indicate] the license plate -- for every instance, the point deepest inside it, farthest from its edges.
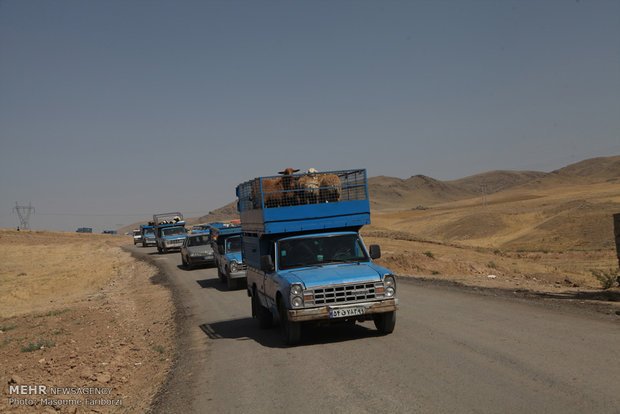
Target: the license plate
(346, 312)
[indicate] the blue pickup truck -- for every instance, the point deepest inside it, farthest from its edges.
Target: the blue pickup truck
(306, 261)
(147, 231)
(227, 254)
(169, 231)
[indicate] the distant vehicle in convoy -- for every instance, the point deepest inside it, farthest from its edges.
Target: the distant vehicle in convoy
(84, 230)
(109, 232)
(137, 237)
(306, 260)
(197, 250)
(226, 241)
(169, 231)
(147, 231)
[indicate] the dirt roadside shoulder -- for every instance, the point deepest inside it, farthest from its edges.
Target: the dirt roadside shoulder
(107, 348)
(179, 388)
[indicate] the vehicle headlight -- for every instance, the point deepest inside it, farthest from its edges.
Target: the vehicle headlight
(296, 296)
(296, 290)
(297, 302)
(390, 285)
(233, 266)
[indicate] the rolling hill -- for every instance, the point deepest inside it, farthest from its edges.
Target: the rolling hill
(569, 208)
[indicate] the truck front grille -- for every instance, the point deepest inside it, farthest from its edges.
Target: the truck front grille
(340, 294)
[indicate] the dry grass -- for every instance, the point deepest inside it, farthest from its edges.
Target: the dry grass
(534, 237)
(555, 218)
(74, 314)
(43, 270)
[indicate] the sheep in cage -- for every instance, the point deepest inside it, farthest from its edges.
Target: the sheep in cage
(329, 188)
(308, 187)
(277, 191)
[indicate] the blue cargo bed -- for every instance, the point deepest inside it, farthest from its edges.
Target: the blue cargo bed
(304, 202)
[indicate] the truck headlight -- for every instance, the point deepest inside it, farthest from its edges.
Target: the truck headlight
(390, 286)
(296, 290)
(233, 266)
(296, 295)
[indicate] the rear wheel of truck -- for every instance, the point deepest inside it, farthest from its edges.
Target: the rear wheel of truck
(265, 320)
(385, 322)
(291, 331)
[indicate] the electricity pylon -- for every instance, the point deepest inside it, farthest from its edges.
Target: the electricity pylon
(24, 212)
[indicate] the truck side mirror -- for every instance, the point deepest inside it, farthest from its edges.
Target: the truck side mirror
(375, 251)
(266, 263)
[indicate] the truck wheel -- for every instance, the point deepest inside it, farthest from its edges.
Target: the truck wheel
(385, 322)
(231, 283)
(291, 331)
(265, 320)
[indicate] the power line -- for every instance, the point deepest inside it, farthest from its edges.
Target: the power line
(148, 215)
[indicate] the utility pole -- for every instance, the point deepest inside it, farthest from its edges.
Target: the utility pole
(484, 189)
(24, 212)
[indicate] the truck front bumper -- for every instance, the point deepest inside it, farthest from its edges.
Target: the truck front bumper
(240, 274)
(323, 312)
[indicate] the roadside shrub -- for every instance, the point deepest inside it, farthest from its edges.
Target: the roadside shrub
(430, 254)
(42, 343)
(607, 278)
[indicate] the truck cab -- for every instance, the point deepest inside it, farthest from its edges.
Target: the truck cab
(147, 231)
(228, 258)
(307, 262)
(169, 229)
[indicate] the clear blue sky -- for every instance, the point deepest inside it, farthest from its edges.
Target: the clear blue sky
(111, 111)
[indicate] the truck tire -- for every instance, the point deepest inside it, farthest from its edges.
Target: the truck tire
(385, 322)
(265, 320)
(231, 283)
(291, 331)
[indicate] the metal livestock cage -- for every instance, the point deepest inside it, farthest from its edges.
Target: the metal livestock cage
(307, 201)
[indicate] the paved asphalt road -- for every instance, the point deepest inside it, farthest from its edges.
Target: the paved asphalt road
(451, 352)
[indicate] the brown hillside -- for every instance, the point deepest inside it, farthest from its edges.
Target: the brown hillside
(594, 169)
(389, 193)
(497, 181)
(564, 217)
(226, 213)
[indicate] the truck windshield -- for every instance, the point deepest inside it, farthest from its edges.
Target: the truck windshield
(149, 233)
(174, 231)
(233, 244)
(318, 251)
